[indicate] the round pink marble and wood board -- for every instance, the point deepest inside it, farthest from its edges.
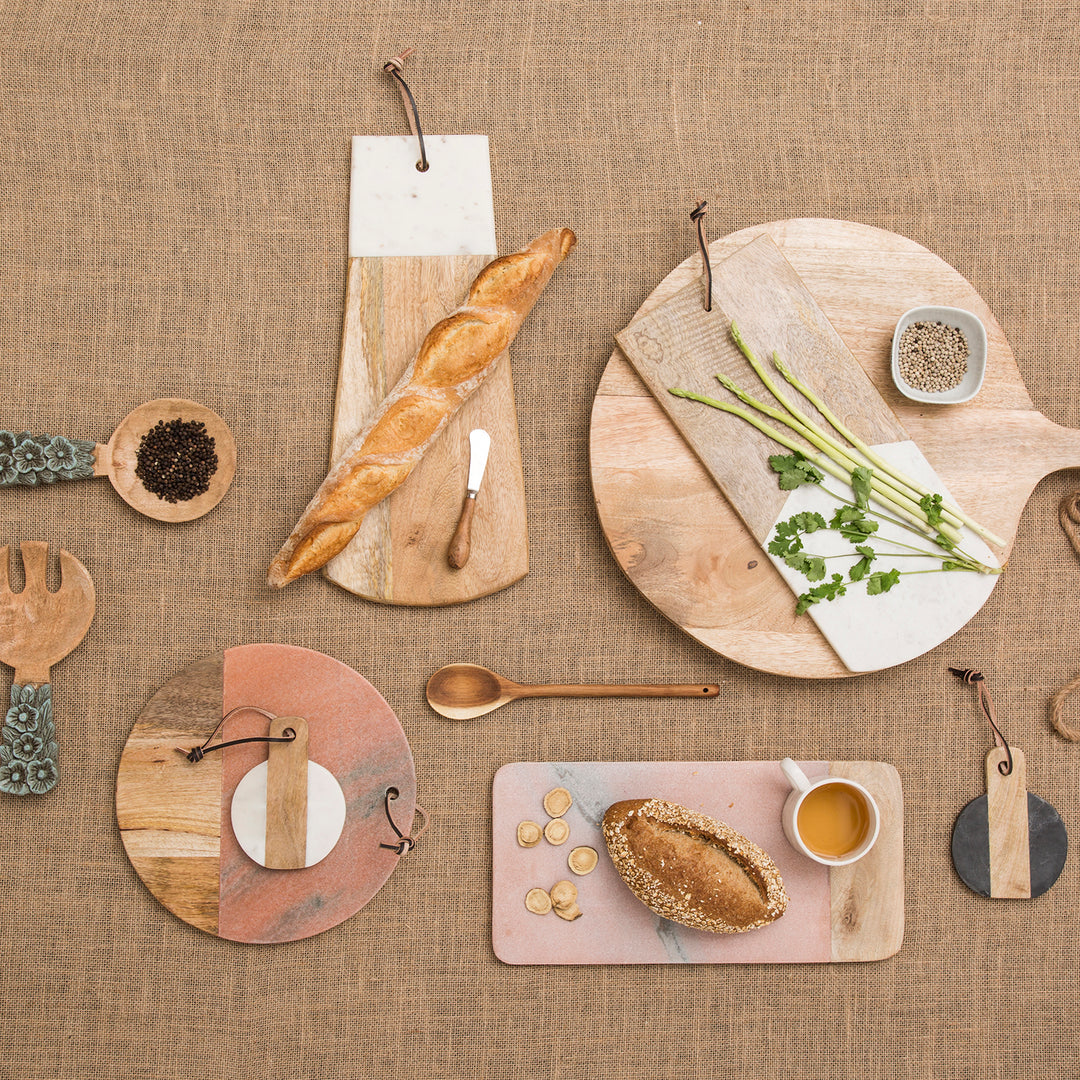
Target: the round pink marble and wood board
(174, 814)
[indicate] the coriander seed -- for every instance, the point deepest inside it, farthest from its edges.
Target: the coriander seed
(933, 356)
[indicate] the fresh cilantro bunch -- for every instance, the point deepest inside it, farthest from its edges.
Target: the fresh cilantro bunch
(853, 522)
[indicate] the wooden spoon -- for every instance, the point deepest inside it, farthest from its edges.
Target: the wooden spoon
(38, 628)
(466, 691)
(117, 460)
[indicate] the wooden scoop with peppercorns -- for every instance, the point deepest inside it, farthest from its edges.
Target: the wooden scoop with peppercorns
(170, 459)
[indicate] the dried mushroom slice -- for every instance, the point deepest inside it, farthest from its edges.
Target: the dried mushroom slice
(529, 834)
(563, 894)
(557, 831)
(538, 901)
(569, 913)
(582, 860)
(558, 801)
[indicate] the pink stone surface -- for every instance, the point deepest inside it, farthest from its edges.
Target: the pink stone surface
(616, 927)
(352, 732)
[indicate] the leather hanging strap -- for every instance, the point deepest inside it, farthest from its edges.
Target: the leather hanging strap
(394, 68)
(697, 215)
(986, 703)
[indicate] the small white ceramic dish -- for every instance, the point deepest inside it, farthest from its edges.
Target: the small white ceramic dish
(975, 333)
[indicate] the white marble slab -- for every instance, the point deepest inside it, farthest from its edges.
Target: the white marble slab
(325, 813)
(916, 615)
(394, 209)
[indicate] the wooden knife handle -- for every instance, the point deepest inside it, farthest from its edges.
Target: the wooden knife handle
(461, 543)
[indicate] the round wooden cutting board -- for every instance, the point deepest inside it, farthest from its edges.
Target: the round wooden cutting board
(684, 547)
(174, 814)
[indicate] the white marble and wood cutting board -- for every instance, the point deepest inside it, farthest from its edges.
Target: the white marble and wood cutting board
(417, 241)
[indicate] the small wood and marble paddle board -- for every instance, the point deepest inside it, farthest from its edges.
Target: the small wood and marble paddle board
(1009, 844)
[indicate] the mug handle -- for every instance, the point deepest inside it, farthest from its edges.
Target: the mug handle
(795, 776)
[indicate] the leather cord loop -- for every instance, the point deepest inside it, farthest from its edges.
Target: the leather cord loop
(394, 68)
(697, 215)
(405, 843)
(197, 753)
(986, 703)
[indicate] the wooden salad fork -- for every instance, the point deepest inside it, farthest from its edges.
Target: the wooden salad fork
(38, 628)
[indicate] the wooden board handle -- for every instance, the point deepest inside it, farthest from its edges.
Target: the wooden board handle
(461, 543)
(286, 795)
(1007, 810)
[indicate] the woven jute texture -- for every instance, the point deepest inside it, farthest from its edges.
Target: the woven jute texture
(173, 215)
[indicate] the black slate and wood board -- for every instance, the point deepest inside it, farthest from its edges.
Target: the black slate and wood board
(1009, 843)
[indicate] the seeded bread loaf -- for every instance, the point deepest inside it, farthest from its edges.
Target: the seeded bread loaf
(693, 869)
(453, 360)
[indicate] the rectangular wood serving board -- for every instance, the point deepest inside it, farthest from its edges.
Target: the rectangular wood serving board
(844, 914)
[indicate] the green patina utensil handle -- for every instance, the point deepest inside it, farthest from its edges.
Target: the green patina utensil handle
(28, 750)
(28, 460)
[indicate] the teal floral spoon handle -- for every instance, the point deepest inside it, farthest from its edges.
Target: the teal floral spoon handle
(28, 460)
(28, 752)
(40, 628)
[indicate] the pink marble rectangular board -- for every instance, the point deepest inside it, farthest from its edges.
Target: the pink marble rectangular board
(852, 913)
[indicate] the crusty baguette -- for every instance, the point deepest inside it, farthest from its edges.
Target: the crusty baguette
(453, 360)
(693, 869)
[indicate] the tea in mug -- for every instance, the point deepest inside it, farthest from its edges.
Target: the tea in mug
(833, 820)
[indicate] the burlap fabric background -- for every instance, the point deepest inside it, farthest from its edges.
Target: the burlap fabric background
(173, 207)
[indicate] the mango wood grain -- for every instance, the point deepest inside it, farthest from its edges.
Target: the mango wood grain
(1007, 814)
(169, 813)
(868, 896)
(682, 345)
(400, 554)
(286, 795)
(38, 628)
(678, 539)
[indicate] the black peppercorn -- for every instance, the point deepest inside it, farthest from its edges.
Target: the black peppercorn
(176, 460)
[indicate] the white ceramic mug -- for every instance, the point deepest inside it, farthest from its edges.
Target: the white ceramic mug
(801, 786)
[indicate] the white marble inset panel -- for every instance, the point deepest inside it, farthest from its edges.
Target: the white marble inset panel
(394, 209)
(920, 611)
(325, 813)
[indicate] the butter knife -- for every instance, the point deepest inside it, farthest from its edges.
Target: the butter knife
(479, 445)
